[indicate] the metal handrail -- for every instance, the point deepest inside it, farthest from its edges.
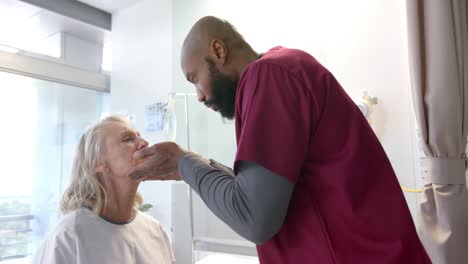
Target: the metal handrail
(14, 244)
(15, 218)
(6, 232)
(12, 218)
(227, 246)
(14, 257)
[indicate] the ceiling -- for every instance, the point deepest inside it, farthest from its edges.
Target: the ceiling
(21, 19)
(22, 22)
(110, 6)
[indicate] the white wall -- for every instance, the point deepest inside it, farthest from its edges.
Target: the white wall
(142, 70)
(367, 50)
(362, 42)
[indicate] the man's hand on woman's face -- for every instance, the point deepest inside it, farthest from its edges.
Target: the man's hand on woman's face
(158, 162)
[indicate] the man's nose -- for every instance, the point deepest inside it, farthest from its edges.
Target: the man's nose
(200, 96)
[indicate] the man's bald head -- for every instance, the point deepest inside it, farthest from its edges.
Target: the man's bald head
(213, 57)
(210, 28)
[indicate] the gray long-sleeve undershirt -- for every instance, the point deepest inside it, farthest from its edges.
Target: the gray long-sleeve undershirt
(253, 203)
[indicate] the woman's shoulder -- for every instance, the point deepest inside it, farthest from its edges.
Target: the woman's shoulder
(149, 222)
(147, 219)
(70, 221)
(149, 225)
(61, 241)
(65, 231)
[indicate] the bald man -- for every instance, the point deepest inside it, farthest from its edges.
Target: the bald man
(311, 182)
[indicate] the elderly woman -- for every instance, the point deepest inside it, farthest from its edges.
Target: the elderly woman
(101, 222)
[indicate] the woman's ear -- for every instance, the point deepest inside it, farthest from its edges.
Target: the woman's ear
(102, 168)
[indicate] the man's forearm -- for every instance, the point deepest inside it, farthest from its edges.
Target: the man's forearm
(253, 203)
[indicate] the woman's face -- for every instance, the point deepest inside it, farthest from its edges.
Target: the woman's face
(120, 141)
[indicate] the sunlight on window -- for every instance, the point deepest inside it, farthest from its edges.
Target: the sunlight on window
(18, 106)
(107, 57)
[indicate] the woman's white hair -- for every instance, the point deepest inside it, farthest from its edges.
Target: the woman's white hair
(85, 190)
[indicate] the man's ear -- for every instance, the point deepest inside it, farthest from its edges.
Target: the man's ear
(219, 51)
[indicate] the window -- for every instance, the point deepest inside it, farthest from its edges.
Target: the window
(41, 125)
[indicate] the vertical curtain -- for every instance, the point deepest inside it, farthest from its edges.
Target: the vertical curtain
(438, 54)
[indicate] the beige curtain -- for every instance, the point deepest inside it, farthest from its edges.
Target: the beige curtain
(438, 51)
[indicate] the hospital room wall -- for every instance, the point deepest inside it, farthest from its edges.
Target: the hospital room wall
(141, 75)
(367, 50)
(362, 42)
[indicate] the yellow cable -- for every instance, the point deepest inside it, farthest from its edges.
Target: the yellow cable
(406, 189)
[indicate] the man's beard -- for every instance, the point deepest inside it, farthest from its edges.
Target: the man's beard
(223, 91)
